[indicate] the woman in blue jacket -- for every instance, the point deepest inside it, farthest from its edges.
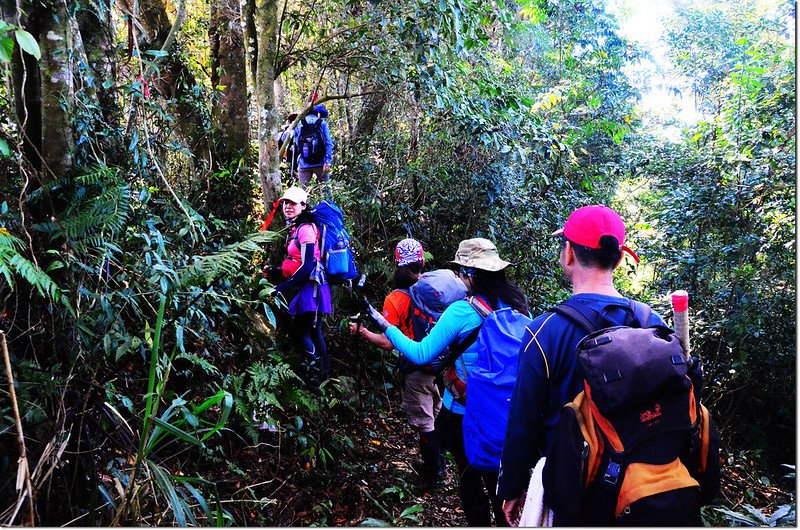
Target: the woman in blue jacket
(482, 271)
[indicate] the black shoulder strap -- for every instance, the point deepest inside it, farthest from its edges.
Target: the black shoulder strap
(590, 320)
(575, 315)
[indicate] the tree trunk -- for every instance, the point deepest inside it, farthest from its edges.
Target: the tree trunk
(96, 31)
(266, 21)
(27, 88)
(250, 37)
(370, 111)
(229, 197)
(229, 115)
(174, 81)
(57, 90)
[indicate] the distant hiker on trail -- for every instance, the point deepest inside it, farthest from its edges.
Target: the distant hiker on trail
(421, 398)
(303, 271)
(482, 272)
(592, 245)
(314, 147)
(289, 158)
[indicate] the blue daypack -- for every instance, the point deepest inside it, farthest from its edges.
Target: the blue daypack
(430, 296)
(335, 250)
(491, 383)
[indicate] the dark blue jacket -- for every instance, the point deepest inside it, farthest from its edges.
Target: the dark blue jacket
(546, 380)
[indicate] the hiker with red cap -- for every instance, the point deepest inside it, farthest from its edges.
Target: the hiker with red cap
(304, 275)
(421, 398)
(592, 246)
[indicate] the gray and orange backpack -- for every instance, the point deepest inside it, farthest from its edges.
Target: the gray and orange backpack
(636, 447)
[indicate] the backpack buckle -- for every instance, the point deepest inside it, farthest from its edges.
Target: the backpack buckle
(612, 472)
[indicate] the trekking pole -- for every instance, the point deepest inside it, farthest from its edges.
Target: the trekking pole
(680, 309)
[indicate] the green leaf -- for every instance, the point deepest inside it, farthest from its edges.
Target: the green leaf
(180, 433)
(199, 498)
(4, 150)
(106, 495)
(6, 48)
(227, 406)
(28, 43)
(411, 510)
(169, 493)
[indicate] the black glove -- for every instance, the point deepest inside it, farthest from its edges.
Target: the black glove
(376, 317)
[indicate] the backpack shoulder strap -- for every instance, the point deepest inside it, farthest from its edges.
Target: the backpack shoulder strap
(576, 316)
(591, 321)
(483, 309)
(480, 305)
(641, 312)
(296, 236)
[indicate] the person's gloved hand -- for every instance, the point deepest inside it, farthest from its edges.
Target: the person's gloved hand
(377, 317)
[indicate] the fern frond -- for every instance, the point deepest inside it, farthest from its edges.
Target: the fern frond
(99, 173)
(35, 276)
(98, 204)
(9, 240)
(196, 360)
(230, 259)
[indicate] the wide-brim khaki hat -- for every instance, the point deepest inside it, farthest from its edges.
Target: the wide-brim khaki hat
(479, 253)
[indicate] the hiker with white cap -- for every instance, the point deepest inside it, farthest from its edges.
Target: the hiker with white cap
(303, 272)
(421, 397)
(592, 246)
(483, 273)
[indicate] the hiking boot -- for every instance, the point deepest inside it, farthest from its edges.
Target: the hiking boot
(431, 469)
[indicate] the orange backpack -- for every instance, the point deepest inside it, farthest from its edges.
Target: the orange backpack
(636, 447)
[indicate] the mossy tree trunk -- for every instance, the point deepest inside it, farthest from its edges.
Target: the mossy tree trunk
(250, 38)
(370, 112)
(266, 21)
(58, 92)
(229, 115)
(97, 34)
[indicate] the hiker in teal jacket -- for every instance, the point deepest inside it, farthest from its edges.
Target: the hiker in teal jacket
(482, 271)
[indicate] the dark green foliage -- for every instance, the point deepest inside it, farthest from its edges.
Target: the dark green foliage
(144, 337)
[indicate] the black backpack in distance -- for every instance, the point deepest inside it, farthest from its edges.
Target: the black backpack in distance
(636, 447)
(311, 142)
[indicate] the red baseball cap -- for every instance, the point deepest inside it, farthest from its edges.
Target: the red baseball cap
(585, 226)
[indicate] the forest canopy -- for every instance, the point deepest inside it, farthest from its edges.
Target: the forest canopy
(140, 152)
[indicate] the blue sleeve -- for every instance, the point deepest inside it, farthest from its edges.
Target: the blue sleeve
(457, 321)
(326, 132)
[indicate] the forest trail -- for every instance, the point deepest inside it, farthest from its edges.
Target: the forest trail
(368, 480)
